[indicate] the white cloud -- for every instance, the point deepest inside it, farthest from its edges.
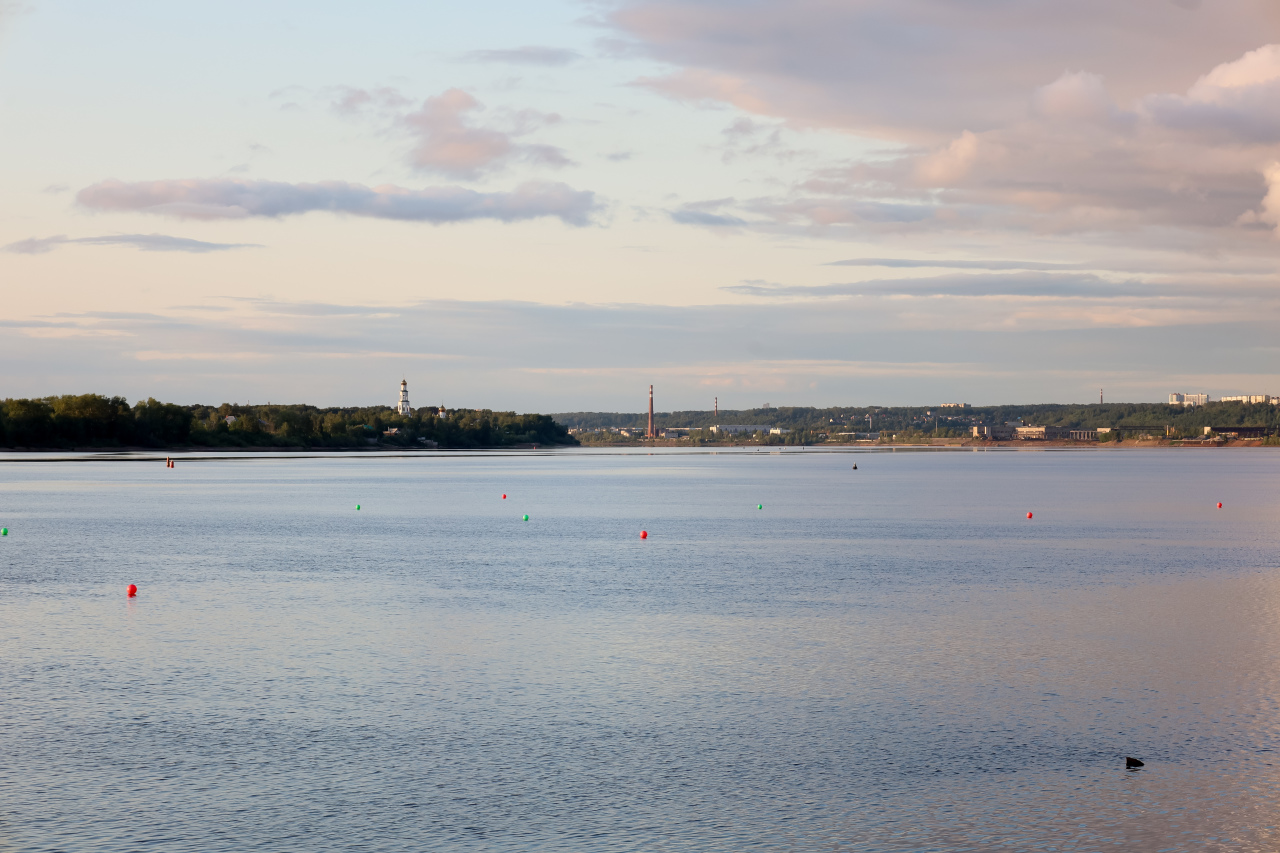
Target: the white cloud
(921, 69)
(1270, 208)
(1077, 96)
(951, 164)
(1254, 68)
(1119, 123)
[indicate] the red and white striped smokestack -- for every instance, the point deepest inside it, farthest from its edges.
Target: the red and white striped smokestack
(651, 432)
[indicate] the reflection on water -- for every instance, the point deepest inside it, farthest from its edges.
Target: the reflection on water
(887, 659)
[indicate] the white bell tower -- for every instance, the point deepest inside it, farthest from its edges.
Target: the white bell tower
(402, 408)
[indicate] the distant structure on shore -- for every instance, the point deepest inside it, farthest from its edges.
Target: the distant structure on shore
(651, 433)
(402, 407)
(955, 406)
(735, 429)
(1189, 400)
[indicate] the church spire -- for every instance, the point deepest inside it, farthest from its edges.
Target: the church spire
(402, 407)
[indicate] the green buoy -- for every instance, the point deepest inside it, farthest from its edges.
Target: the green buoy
(759, 506)
(357, 506)
(4, 531)
(526, 518)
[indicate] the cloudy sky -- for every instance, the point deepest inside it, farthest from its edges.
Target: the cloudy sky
(548, 205)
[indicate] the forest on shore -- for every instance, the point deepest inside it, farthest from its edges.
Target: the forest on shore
(92, 420)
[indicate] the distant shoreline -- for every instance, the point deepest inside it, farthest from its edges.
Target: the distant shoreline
(1027, 444)
(659, 445)
(186, 449)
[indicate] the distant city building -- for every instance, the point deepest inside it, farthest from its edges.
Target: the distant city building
(733, 429)
(1240, 431)
(1041, 433)
(955, 406)
(1084, 434)
(402, 407)
(993, 432)
(779, 431)
(1019, 430)
(1248, 398)
(674, 432)
(1188, 399)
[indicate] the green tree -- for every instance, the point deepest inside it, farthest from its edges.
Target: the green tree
(162, 424)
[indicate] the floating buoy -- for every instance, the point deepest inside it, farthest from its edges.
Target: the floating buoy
(526, 518)
(504, 497)
(357, 506)
(855, 466)
(759, 506)
(1219, 504)
(644, 534)
(4, 531)
(1029, 515)
(1131, 763)
(133, 590)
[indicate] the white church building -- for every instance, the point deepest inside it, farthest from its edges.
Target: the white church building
(402, 407)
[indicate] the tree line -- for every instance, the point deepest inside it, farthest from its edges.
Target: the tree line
(92, 420)
(932, 420)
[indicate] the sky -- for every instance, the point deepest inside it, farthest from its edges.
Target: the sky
(549, 205)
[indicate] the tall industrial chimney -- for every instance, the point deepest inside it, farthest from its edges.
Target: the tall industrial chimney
(717, 408)
(651, 433)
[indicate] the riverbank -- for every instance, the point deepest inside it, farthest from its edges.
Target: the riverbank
(1027, 444)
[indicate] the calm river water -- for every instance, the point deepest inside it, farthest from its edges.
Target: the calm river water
(887, 659)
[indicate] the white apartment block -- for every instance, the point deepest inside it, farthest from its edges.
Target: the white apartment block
(1251, 398)
(1188, 399)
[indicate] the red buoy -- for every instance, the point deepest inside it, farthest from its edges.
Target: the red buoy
(504, 497)
(1219, 504)
(133, 590)
(644, 534)
(1028, 515)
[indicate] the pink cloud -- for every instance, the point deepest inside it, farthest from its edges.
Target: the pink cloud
(448, 141)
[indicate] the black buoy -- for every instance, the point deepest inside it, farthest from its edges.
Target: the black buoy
(855, 466)
(1131, 763)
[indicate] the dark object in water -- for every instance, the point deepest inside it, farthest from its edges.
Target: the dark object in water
(1130, 763)
(855, 466)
